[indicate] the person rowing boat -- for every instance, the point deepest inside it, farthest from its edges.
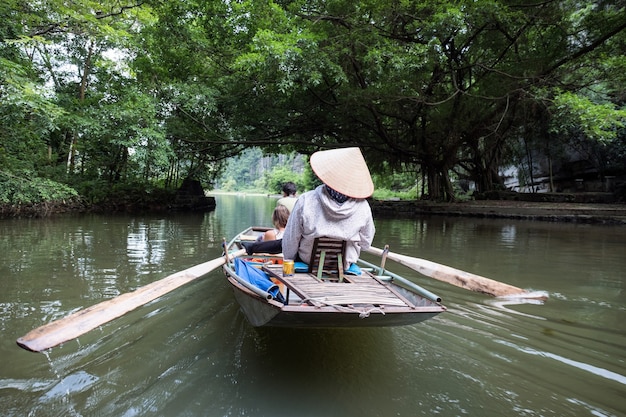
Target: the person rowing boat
(336, 209)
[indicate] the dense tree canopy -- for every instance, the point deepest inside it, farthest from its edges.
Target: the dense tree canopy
(151, 92)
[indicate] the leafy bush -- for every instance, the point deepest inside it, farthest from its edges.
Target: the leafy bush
(387, 194)
(280, 175)
(24, 190)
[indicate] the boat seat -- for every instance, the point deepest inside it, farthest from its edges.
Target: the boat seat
(327, 259)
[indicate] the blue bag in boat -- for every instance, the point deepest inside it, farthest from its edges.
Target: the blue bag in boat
(353, 270)
(257, 278)
(301, 267)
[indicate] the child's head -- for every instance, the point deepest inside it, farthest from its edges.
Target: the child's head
(280, 216)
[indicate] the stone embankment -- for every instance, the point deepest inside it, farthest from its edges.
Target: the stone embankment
(593, 213)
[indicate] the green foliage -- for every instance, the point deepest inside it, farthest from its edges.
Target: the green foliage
(229, 184)
(598, 122)
(395, 180)
(309, 179)
(101, 95)
(279, 175)
(261, 173)
(94, 191)
(25, 190)
(387, 194)
(242, 171)
(27, 117)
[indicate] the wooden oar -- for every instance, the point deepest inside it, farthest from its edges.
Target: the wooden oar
(452, 276)
(81, 322)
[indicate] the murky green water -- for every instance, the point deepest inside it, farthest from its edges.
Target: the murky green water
(191, 353)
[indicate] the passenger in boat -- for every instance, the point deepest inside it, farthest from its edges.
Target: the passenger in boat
(280, 215)
(271, 240)
(289, 196)
(336, 209)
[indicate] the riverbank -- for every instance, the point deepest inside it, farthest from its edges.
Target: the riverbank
(591, 213)
(586, 208)
(570, 212)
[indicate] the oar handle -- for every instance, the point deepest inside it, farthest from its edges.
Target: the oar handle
(384, 258)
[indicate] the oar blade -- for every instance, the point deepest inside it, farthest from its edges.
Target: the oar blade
(462, 279)
(83, 321)
(453, 276)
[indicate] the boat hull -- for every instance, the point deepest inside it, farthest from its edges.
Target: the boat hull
(261, 313)
(306, 309)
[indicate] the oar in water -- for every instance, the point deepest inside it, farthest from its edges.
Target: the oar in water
(83, 321)
(453, 276)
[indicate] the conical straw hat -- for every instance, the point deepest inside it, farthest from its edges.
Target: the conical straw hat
(344, 170)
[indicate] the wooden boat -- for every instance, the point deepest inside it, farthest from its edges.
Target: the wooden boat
(322, 295)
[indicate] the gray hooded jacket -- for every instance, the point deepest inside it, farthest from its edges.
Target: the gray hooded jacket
(315, 214)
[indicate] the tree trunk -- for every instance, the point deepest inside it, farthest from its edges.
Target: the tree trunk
(81, 98)
(439, 184)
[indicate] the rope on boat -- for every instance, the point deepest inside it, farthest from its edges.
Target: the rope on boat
(366, 314)
(321, 302)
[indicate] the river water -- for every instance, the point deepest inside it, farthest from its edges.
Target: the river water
(191, 352)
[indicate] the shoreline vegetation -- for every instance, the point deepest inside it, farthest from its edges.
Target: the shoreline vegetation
(570, 208)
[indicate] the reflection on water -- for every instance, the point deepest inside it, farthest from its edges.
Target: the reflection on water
(68, 386)
(580, 365)
(507, 236)
(192, 353)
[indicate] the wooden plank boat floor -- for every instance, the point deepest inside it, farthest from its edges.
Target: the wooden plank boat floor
(359, 290)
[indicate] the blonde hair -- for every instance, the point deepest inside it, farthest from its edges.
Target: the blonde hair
(280, 216)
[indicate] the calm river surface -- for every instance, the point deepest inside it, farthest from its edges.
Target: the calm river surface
(191, 352)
